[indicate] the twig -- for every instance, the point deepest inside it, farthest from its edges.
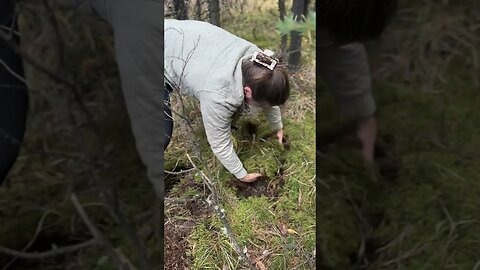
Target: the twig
(107, 193)
(37, 232)
(412, 252)
(99, 237)
(16, 75)
(10, 30)
(452, 229)
(178, 200)
(47, 254)
(180, 172)
(28, 59)
(365, 227)
(476, 266)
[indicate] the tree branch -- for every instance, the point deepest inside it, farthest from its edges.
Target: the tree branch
(99, 237)
(51, 253)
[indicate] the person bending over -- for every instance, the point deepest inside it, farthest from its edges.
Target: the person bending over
(227, 74)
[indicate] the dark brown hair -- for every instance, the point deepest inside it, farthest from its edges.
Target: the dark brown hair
(267, 85)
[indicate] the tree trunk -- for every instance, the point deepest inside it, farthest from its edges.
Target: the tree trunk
(283, 44)
(181, 12)
(214, 11)
(299, 9)
(198, 9)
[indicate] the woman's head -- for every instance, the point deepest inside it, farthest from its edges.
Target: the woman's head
(265, 86)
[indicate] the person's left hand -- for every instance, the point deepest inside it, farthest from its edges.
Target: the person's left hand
(280, 135)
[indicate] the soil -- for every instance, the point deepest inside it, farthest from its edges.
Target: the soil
(176, 233)
(264, 186)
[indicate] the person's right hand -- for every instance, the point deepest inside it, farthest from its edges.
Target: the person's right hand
(251, 177)
(367, 133)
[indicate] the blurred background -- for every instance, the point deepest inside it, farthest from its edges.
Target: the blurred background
(419, 208)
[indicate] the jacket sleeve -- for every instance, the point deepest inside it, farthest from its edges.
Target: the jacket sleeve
(216, 117)
(274, 117)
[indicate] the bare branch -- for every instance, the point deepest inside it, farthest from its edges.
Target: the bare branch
(16, 75)
(37, 232)
(180, 172)
(51, 253)
(99, 237)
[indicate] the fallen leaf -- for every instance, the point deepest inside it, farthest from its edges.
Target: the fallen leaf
(292, 231)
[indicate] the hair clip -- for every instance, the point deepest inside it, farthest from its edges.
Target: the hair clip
(265, 59)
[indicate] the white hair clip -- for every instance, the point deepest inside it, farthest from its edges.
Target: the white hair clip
(265, 59)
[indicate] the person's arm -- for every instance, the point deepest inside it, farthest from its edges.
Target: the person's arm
(274, 117)
(346, 72)
(216, 119)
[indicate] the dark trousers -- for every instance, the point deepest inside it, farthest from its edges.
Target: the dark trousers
(167, 117)
(13, 96)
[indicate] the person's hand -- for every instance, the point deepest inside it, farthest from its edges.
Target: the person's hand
(251, 177)
(280, 135)
(367, 134)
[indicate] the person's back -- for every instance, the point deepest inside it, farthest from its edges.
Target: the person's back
(201, 57)
(217, 68)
